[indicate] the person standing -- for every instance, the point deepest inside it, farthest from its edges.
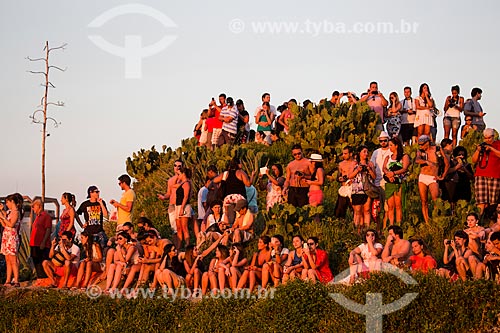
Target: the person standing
(170, 196)
(376, 101)
(40, 238)
(487, 175)
(316, 181)
(473, 109)
(94, 211)
(427, 158)
(297, 171)
(68, 215)
(126, 204)
(345, 168)
(229, 117)
(424, 103)
(11, 222)
(453, 106)
(408, 130)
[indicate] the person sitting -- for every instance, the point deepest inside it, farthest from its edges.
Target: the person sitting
(253, 272)
(193, 264)
(151, 257)
(365, 257)
(294, 265)
(243, 225)
(279, 256)
(397, 250)
(316, 265)
(171, 273)
(476, 238)
(214, 225)
(143, 223)
(217, 272)
(457, 262)
(421, 260)
(91, 263)
(490, 266)
(237, 261)
(125, 263)
(64, 257)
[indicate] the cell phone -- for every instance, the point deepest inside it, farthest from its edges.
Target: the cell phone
(305, 246)
(375, 92)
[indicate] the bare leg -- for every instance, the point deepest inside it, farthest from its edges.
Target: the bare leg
(422, 188)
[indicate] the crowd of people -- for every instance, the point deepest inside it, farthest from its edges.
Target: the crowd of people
(407, 118)
(227, 207)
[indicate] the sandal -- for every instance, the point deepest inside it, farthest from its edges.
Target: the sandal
(15, 285)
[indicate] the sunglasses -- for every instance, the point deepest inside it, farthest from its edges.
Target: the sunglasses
(383, 140)
(311, 244)
(96, 191)
(468, 119)
(297, 154)
(120, 238)
(126, 230)
(177, 165)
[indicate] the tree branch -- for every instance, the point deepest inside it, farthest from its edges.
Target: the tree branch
(62, 70)
(58, 103)
(63, 47)
(56, 124)
(33, 72)
(37, 59)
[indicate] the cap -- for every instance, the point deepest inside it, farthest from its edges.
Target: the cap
(242, 203)
(316, 157)
(91, 189)
(383, 134)
(423, 139)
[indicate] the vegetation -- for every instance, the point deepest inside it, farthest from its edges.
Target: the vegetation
(297, 307)
(324, 129)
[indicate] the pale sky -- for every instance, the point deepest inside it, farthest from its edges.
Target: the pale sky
(219, 46)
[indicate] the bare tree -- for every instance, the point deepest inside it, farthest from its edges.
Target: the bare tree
(39, 116)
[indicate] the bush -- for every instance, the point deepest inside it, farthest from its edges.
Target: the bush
(296, 307)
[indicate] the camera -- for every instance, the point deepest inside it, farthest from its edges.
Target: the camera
(299, 173)
(482, 146)
(375, 92)
(58, 239)
(448, 242)
(364, 168)
(452, 103)
(345, 93)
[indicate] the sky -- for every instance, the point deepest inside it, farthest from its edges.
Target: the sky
(139, 73)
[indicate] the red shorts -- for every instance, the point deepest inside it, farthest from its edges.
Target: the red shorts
(315, 197)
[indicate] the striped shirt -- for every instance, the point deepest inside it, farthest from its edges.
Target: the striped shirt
(227, 111)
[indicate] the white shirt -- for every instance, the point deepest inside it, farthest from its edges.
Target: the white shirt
(202, 197)
(378, 158)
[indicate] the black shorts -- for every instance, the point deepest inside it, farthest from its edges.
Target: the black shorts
(358, 199)
(407, 132)
(297, 196)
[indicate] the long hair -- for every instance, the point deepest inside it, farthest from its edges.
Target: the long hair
(17, 199)
(399, 151)
(88, 247)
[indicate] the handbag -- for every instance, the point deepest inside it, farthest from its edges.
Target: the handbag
(346, 190)
(369, 188)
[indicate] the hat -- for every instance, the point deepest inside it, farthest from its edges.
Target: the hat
(316, 157)
(91, 189)
(383, 134)
(423, 139)
(242, 203)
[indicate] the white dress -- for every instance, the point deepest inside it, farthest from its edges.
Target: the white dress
(423, 117)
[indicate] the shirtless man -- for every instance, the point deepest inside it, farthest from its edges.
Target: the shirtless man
(170, 195)
(297, 171)
(476, 237)
(345, 168)
(427, 157)
(396, 250)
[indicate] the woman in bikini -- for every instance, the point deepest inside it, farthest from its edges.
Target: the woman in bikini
(253, 272)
